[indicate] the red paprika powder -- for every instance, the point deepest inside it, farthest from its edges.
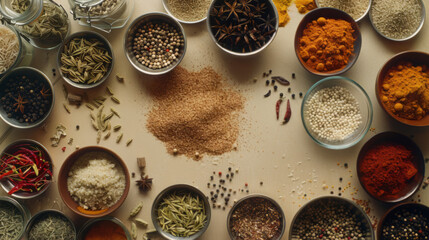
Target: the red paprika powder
(386, 169)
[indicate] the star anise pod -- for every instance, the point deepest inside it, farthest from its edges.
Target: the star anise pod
(145, 183)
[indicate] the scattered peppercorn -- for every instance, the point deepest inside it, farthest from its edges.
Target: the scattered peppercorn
(229, 169)
(332, 192)
(300, 94)
(273, 81)
(220, 173)
(262, 183)
(269, 72)
(293, 75)
(281, 95)
(293, 95)
(267, 82)
(211, 178)
(275, 87)
(77, 127)
(346, 165)
(341, 179)
(288, 89)
(246, 184)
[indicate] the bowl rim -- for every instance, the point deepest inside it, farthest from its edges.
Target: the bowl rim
(20, 195)
(340, 15)
(26, 214)
(396, 208)
(169, 189)
(334, 198)
(44, 78)
(407, 142)
(359, 18)
(160, 16)
(86, 34)
(167, 9)
(63, 174)
(422, 15)
(47, 211)
(256, 196)
(364, 93)
(276, 17)
(85, 227)
(394, 60)
(20, 51)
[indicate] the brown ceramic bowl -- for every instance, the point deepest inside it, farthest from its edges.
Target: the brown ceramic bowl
(417, 58)
(329, 13)
(64, 172)
(418, 161)
(400, 207)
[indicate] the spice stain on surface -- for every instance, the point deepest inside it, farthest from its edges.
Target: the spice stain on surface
(195, 112)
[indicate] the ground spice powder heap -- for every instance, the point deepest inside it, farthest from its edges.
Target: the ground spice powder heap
(195, 113)
(405, 91)
(256, 219)
(327, 44)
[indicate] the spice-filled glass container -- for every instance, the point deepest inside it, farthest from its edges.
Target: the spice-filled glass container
(104, 15)
(43, 23)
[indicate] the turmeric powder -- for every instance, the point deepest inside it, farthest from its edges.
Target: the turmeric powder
(304, 6)
(282, 6)
(405, 91)
(327, 44)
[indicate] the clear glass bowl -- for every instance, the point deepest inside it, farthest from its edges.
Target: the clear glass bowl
(365, 108)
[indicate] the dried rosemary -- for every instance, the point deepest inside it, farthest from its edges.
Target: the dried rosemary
(85, 60)
(182, 214)
(51, 226)
(11, 221)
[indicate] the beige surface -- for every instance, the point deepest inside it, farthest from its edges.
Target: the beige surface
(282, 156)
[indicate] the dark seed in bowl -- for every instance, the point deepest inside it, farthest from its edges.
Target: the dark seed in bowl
(25, 98)
(256, 218)
(406, 223)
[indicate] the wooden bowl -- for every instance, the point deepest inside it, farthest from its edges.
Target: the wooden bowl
(415, 57)
(418, 161)
(329, 13)
(394, 209)
(64, 173)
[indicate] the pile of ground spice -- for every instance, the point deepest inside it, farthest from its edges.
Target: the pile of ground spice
(282, 6)
(195, 113)
(305, 6)
(405, 91)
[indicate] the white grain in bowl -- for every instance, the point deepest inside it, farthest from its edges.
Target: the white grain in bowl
(96, 181)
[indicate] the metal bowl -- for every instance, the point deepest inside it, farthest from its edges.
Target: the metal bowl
(7, 185)
(33, 72)
(64, 174)
(179, 188)
(357, 19)
(415, 57)
(87, 226)
(418, 161)
(329, 13)
(399, 207)
(337, 201)
(166, 7)
(256, 196)
(25, 213)
(21, 51)
(273, 11)
(129, 36)
(365, 107)
(43, 213)
(422, 21)
(86, 35)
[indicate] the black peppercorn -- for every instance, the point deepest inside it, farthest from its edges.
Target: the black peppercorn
(293, 95)
(267, 82)
(275, 87)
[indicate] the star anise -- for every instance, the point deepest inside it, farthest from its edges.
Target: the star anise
(45, 92)
(145, 183)
(19, 103)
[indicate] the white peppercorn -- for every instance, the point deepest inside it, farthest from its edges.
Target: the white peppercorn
(157, 45)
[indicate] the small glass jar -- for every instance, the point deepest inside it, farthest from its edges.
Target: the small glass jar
(14, 56)
(104, 15)
(43, 23)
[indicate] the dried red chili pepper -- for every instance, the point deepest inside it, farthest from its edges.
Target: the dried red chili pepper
(288, 113)
(279, 102)
(26, 167)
